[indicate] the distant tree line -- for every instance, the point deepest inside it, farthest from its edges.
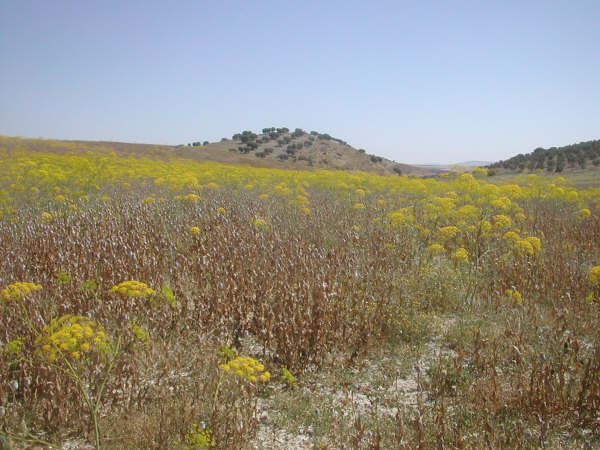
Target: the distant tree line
(554, 159)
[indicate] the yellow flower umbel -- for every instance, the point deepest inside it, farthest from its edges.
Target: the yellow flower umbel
(72, 337)
(248, 368)
(260, 224)
(133, 289)
(502, 222)
(199, 438)
(288, 377)
(140, 333)
(535, 243)
(524, 247)
(461, 255)
(47, 217)
(18, 290)
(595, 275)
(14, 347)
(436, 249)
(584, 213)
(514, 295)
(195, 230)
(191, 198)
(511, 236)
(447, 233)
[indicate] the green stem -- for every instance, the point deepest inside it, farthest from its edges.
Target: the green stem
(88, 401)
(108, 370)
(28, 440)
(28, 321)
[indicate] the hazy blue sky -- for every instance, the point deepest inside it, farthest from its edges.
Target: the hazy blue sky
(418, 81)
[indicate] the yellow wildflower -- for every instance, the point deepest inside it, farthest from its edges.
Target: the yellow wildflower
(133, 289)
(461, 255)
(535, 243)
(436, 249)
(514, 295)
(18, 290)
(524, 247)
(449, 232)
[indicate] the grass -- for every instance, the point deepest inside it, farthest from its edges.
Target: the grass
(580, 178)
(391, 300)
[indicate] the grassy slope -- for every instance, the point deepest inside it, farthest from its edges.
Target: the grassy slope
(321, 155)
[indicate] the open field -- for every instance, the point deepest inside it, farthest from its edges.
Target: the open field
(171, 303)
(579, 178)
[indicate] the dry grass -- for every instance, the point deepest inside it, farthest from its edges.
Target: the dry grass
(331, 276)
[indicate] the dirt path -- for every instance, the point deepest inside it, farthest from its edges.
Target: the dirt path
(377, 387)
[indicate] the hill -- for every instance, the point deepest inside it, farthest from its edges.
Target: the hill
(273, 147)
(585, 155)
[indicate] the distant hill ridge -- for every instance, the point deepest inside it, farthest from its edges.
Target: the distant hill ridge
(303, 149)
(555, 159)
(273, 148)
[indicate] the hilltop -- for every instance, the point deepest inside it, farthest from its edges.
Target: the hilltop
(584, 155)
(273, 147)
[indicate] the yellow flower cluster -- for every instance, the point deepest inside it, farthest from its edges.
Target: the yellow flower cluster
(140, 333)
(18, 290)
(133, 289)
(195, 230)
(530, 245)
(199, 438)
(190, 198)
(72, 337)
(511, 236)
(14, 347)
(436, 249)
(248, 368)
(448, 232)
(461, 255)
(595, 275)
(288, 377)
(514, 295)
(401, 217)
(524, 247)
(260, 224)
(584, 213)
(502, 221)
(47, 217)
(535, 243)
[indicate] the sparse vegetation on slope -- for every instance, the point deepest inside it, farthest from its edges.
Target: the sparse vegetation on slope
(555, 159)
